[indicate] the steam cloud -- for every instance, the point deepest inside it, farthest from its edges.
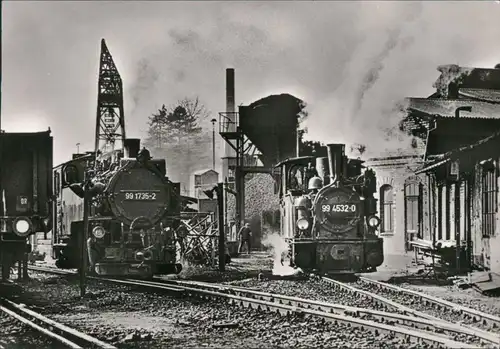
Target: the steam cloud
(279, 247)
(392, 62)
(350, 61)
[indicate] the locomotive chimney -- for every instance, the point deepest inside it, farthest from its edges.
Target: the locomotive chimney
(335, 160)
(323, 171)
(132, 147)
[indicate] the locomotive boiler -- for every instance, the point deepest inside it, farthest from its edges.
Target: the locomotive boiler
(134, 212)
(329, 214)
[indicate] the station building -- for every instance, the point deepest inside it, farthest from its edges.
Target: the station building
(401, 199)
(440, 192)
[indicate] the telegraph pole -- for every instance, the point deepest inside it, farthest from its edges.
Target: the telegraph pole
(222, 233)
(213, 143)
(458, 247)
(84, 236)
(3, 269)
(1, 34)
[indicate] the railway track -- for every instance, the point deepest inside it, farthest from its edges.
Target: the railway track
(404, 301)
(58, 332)
(431, 303)
(410, 328)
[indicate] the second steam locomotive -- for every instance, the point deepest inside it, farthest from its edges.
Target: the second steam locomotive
(134, 213)
(328, 213)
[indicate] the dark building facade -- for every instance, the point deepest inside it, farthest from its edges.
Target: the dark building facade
(460, 163)
(423, 198)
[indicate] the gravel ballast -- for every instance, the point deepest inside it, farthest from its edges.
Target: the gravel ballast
(128, 317)
(14, 334)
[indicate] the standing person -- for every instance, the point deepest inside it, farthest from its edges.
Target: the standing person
(245, 235)
(310, 172)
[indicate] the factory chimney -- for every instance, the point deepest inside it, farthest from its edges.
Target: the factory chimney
(230, 108)
(228, 124)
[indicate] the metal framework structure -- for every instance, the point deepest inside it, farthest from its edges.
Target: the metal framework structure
(110, 119)
(242, 164)
(199, 233)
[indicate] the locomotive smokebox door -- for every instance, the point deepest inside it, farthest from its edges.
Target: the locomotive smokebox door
(22, 203)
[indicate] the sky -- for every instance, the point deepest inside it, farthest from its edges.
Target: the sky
(351, 62)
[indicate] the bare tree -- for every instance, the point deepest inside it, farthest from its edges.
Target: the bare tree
(181, 134)
(179, 121)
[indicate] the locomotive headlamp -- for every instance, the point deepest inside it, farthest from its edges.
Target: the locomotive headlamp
(21, 226)
(373, 221)
(98, 232)
(302, 223)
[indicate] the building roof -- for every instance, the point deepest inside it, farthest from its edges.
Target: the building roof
(200, 172)
(442, 159)
(445, 108)
(487, 95)
(493, 137)
(467, 77)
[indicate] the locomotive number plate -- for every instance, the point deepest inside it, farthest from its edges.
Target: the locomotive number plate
(339, 208)
(137, 195)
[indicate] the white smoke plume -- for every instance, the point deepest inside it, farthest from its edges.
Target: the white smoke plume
(349, 60)
(399, 50)
(279, 247)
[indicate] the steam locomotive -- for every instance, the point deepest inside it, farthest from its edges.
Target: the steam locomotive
(328, 213)
(134, 213)
(26, 190)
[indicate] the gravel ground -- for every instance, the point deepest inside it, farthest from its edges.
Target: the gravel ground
(245, 266)
(317, 290)
(426, 308)
(446, 290)
(310, 289)
(16, 335)
(130, 318)
(467, 297)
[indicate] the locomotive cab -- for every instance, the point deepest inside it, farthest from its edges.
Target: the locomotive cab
(295, 203)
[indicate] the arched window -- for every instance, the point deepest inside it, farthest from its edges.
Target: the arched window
(413, 202)
(386, 209)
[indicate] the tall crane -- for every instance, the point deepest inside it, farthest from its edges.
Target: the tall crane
(110, 120)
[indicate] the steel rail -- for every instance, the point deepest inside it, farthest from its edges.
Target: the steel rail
(129, 282)
(23, 314)
(485, 335)
(441, 304)
(435, 325)
(39, 328)
(386, 303)
(330, 312)
(274, 302)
